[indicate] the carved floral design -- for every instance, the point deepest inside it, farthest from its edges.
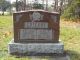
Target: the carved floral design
(36, 16)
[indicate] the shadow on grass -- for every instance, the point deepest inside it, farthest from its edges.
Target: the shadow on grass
(42, 56)
(72, 54)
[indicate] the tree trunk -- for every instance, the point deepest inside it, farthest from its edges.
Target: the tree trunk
(61, 6)
(3, 12)
(56, 5)
(16, 5)
(46, 4)
(43, 4)
(24, 2)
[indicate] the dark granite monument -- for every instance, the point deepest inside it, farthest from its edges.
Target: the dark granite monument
(36, 31)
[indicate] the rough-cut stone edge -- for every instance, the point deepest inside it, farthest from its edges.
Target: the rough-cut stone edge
(35, 48)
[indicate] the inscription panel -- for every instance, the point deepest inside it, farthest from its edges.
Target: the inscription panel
(36, 25)
(44, 34)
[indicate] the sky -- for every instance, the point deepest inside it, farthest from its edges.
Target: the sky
(11, 0)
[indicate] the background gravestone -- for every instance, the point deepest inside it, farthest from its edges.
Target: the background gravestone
(36, 31)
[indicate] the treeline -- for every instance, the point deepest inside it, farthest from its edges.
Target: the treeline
(69, 9)
(72, 10)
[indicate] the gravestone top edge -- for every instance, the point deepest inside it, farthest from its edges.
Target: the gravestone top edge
(36, 11)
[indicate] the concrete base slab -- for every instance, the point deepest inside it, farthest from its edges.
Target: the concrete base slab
(35, 48)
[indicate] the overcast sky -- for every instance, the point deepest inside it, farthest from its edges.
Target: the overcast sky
(11, 0)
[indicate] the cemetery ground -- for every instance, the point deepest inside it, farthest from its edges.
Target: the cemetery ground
(69, 34)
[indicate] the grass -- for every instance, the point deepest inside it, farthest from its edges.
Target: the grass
(69, 35)
(71, 40)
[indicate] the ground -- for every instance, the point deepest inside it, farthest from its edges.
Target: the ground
(69, 34)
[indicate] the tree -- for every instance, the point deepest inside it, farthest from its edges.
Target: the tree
(20, 5)
(46, 4)
(43, 3)
(1, 1)
(4, 5)
(73, 10)
(56, 5)
(61, 6)
(37, 5)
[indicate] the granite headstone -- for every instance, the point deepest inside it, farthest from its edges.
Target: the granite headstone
(36, 31)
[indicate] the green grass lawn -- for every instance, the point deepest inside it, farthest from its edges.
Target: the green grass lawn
(71, 40)
(69, 36)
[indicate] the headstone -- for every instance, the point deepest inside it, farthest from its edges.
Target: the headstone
(36, 31)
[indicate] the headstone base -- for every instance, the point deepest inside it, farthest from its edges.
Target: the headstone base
(35, 48)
